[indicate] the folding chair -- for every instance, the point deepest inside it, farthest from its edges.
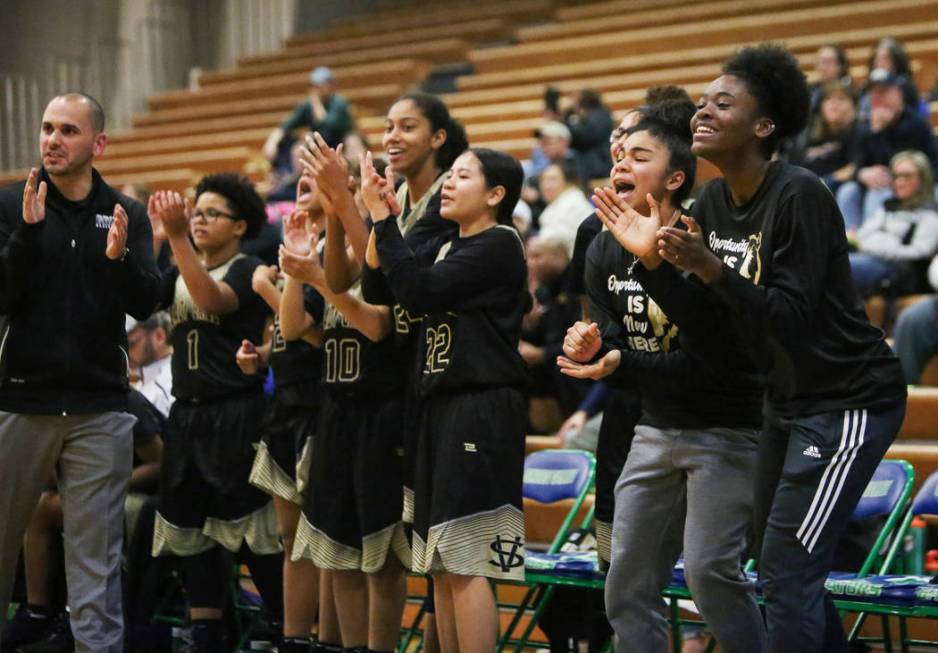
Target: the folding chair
(551, 475)
(888, 494)
(901, 596)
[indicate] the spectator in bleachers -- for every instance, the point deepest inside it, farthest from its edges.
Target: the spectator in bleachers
(149, 354)
(828, 146)
(893, 127)
(832, 67)
(916, 332)
(590, 123)
(565, 204)
(546, 324)
(899, 240)
(553, 146)
(890, 55)
(324, 111)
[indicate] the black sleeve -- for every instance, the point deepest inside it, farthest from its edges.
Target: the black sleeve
(375, 288)
(471, 277)
(635, 364)
(19, 249)
(597, 292)
(140, 278)
(239, 278)
(314, 304)
(585, 234)
(783, 305)
(150, 421)
(167, 288)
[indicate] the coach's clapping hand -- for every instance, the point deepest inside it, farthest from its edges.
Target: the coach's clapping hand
(34, 200)
(582, 342)
(172, 211)
(377, 191)
(117, 234)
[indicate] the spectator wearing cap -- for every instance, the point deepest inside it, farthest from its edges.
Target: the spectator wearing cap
(553, 146)
(150, 355)
(890, 55)
(324, 111)
(893, 127)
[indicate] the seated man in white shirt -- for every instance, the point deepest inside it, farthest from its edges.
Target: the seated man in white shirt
(149, 354)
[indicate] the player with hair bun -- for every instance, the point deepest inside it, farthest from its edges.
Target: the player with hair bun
(686, 484)
(768, 241)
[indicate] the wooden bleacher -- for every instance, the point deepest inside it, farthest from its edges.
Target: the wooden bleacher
(539, 42)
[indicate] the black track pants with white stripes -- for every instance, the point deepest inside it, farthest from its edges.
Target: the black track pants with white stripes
(812, 471)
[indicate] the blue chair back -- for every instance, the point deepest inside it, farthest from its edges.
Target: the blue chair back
(926, 501)
(554, 475)
(883, 491)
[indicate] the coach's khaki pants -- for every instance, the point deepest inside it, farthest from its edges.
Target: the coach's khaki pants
(92, 456)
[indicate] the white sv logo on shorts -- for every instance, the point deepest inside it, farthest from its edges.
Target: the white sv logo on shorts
(812, 452)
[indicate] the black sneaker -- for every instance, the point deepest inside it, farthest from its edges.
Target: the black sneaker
(26, 627)
(58, 638)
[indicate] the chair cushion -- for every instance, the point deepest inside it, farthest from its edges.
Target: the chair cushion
(891, 590)
(580, 564)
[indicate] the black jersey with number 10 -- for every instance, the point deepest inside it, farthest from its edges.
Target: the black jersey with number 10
(355, 364)
(204, 344)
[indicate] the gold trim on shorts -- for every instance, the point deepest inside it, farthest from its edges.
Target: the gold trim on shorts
(489, 543)
(603, 539)
(270, 477)
(311, 543)
(258, 530)
(407, 514)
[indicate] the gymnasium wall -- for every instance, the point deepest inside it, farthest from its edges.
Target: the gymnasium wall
(122, 51)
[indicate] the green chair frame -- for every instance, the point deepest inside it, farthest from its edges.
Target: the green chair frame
(541, 586)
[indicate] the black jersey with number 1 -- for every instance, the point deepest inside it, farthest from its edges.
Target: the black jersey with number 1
(204, 344)
(473, 297)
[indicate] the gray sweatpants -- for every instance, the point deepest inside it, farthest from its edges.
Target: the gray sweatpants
(92, 457)
(714, 469)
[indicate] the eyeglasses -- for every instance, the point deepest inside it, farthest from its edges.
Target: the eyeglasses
(905, 175)
(211, 215)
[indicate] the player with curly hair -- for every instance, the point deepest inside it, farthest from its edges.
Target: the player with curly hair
(768, 240)
(206, 501)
